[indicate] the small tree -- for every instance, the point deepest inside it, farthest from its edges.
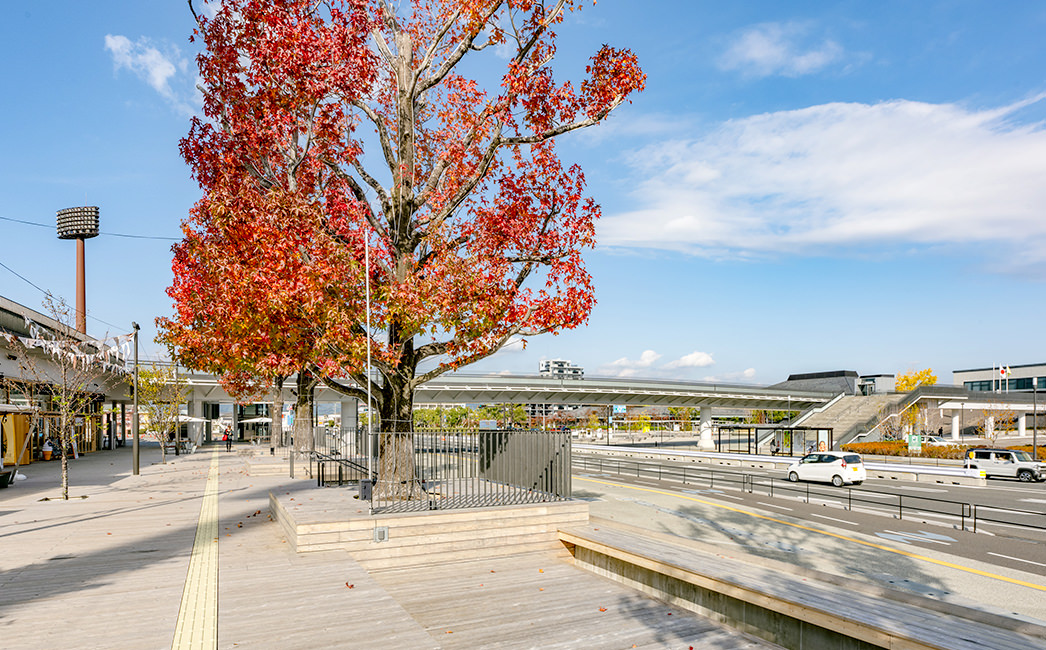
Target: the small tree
(160, 394)
(911, 419)
(1000, 418)
(73, 373)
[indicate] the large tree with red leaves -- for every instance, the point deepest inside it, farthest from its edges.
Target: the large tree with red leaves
(474, 227)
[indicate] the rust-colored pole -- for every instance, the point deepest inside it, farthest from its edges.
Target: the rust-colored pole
(81, 289)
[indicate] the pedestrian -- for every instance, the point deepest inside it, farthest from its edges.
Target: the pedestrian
(228, 442)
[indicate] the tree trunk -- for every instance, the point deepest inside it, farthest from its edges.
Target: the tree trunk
(397, 472)
(64, 441)
(302, 414)
(276, 426)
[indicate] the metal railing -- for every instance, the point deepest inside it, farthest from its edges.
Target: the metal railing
(441, 470)
(902, 504)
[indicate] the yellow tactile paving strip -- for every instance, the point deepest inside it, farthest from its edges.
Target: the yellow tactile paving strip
(197, 625)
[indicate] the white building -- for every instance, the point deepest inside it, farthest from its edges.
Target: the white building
(1002, 379)
(560, 369)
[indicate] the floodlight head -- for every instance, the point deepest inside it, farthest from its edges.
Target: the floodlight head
(78, 223)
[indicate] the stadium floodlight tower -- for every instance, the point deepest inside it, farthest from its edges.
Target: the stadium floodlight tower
(79, 224)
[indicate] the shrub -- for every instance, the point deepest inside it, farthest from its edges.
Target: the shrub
(1041, 450)
(900, 448)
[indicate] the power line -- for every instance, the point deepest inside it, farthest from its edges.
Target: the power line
(46, 292)
(110, 234)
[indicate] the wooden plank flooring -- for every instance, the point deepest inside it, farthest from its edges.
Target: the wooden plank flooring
(542, 601)
(108, 572)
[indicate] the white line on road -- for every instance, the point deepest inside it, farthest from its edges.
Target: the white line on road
(1033, 500)
(918, 489)
(922, 537)
(774, 505)
(841, 521)
(1016, 558)
(729, 496)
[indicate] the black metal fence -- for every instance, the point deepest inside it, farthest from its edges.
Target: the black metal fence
(965, 514)
(441, 470)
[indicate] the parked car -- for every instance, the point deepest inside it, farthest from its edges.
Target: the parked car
(1010, 463)
(937, 441)
(835, 467)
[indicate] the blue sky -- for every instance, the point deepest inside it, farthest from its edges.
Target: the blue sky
(803, 186)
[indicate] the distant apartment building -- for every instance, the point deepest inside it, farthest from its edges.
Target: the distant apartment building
(560, 369)
(555, 369)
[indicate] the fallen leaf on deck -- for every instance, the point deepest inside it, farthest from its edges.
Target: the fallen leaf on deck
(602, 609)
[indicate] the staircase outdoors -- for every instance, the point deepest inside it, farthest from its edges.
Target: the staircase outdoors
(852, 415)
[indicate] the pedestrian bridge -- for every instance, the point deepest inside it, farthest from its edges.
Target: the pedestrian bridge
(529, 389)
(630, 391)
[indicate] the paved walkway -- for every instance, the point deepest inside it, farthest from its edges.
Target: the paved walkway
(185, 555)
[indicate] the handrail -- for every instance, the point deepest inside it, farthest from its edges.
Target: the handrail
(748, 481)
(817, 409)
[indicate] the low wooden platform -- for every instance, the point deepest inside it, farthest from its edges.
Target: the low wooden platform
(334, 519)
(796, 609)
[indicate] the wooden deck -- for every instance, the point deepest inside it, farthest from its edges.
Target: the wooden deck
(108, 572)
(541, 601)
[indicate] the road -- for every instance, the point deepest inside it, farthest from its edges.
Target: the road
(903, 515)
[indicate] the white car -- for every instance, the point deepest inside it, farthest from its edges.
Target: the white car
(937, 441)
(835, 467)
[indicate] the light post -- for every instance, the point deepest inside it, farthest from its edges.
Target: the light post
(134, 415)
(1034, 420)
(372, 443)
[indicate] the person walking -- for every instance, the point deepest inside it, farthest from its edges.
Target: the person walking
(228, 442)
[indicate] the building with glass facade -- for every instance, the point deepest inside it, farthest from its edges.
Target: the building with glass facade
(1003, 378)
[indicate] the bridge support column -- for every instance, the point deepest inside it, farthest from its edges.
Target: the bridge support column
(955, 427)
(706, 441)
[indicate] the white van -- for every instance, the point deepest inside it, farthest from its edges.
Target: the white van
(1009, 463)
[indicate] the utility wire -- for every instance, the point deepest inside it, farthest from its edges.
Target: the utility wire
(110, 234)
(46, 292)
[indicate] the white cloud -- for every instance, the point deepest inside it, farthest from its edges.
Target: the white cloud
(695, 359)
(744, 376)
(156, 68)
(625, 367)
(779, 49)
(837, 175)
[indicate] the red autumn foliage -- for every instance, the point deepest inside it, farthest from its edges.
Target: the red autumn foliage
(475, 227)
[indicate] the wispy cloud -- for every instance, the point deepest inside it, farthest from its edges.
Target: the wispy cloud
(743, 376)
(780, 49)
(166, 72)
(835, 176)
(647, 365)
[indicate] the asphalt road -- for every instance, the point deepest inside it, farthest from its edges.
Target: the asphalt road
(900, 514)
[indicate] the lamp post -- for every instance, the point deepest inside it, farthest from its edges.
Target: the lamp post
(134, 415)
(1034, 420)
